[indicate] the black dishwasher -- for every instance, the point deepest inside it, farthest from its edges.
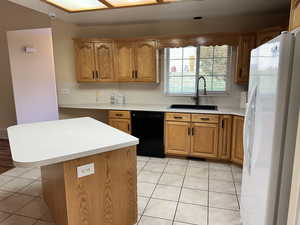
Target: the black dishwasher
(149, 128)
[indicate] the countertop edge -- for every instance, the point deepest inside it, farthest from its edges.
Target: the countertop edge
(75, 156)
(221, 111)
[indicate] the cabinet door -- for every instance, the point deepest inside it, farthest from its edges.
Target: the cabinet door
(246, 44)
(125, 61)
(85, 65)
(204, 142)
(225, 131)
(177, 139)
(237, 152)
(295, 14)
(104, 61)
(121, 124)
(145, 61)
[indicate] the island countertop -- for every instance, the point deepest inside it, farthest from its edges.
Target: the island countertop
(51, 142)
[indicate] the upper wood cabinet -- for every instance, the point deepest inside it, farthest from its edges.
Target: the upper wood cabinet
(295, 15)
(85, 61)
(94, 61)
(237, 152)
(247, 42)
(125, 61)
(225, 131)
(136, 61)
(268, 34)
(104, 59)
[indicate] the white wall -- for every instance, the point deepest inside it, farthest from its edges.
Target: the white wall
(33, 75)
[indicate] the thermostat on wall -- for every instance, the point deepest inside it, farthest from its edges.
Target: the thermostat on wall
(30, 50)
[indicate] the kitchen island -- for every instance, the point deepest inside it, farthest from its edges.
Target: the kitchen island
(88, 169)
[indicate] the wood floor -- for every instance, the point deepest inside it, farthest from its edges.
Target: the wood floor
(6, 162)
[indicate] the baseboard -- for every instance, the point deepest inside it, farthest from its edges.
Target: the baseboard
(3, 133)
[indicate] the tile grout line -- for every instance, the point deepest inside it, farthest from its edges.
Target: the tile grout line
(142, 214)
(173, 221)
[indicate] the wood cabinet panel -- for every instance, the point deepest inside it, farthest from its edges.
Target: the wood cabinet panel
(225, 130)
(265, 35)
(145, 61)
(85, 64)
(121, 124)
(247, 42)
(204, 141)
(104, 59)
(205, 118)
(125, 61)
(177, 139)
(237, 152)
(178, 117)
(119, 114)
(295, 14)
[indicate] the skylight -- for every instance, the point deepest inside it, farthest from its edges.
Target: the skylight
(87, 5)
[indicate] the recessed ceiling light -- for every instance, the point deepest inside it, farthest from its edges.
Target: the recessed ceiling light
(87, 5)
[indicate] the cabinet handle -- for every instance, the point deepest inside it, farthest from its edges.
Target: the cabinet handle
(93, 75)
(223, 124)
(136, 74)
(132, 74)
(240, 72)
(119, 114)
(193, 131)
(205, 119)
(189, 131)
(97, 75)
(177, 117)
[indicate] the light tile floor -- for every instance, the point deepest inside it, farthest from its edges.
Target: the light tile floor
(170, 192)
(183, 192)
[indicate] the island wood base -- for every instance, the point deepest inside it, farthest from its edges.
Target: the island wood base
(108, 197)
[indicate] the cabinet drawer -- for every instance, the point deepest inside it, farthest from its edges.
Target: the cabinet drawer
(119, 114)
(178, 117)
(205, 118)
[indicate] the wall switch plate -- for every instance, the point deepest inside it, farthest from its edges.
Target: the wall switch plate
(85, 170)
(65, 91)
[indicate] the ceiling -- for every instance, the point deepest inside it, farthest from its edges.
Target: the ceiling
(186, 9)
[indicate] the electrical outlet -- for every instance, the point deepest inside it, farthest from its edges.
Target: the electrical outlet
(65, 91)
(85, 170)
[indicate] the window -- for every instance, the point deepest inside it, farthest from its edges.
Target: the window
(185, 65)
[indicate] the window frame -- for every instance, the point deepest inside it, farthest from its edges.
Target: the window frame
(230, 69)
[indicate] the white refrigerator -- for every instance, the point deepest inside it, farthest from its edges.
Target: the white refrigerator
(270, 130)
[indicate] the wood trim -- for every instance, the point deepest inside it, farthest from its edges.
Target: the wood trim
(109, 7)
(106, 3)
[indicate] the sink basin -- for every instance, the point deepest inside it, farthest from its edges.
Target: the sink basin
(200, 107)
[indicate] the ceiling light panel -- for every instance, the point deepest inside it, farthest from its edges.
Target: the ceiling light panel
(77, 5)
(124, 3)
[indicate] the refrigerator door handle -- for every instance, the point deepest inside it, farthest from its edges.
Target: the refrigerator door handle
(248, 126)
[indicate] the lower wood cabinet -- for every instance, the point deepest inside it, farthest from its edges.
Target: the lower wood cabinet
(237, 152)
(120, 120)
(204, 140)
(225, 132)
(186, 138)
(177, 138)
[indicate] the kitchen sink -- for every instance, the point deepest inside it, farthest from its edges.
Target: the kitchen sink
(200, 107)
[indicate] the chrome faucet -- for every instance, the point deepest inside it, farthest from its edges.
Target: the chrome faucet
(197, 88)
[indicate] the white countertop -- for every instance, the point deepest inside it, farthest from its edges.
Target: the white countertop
(157, 108)
(45, 143)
